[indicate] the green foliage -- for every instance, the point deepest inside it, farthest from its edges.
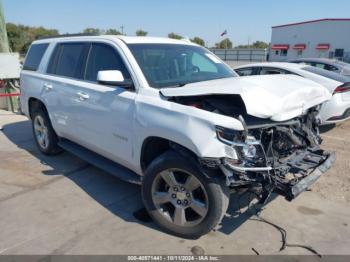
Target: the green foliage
(198, 41)
(20, 36)
(140, 32)
(93, 31)
(175, 36)
(260, 44)
(15, 36)
(256, 44)
(112, 31)
(224, 44)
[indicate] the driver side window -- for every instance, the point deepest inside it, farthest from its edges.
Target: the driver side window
(103, 57)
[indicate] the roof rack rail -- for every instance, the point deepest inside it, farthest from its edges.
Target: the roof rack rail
(66, 35)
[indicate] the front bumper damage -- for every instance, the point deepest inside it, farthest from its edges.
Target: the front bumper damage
(287, 158)
(304, 169)
(293, 191)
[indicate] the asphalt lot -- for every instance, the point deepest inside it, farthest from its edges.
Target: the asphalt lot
(62, 205)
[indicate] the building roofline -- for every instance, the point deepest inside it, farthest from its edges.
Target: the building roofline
(312, 21)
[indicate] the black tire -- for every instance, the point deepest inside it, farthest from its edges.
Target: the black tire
(217, 195)
(51, 147)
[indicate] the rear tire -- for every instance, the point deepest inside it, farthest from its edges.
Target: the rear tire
(172, 184)
(44, 135)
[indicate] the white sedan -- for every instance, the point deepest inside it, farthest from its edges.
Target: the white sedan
(335, 110)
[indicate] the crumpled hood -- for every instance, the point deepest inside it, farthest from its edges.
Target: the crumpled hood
(277, 97)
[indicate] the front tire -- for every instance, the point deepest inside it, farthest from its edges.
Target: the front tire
(180, 198)
(44, 135)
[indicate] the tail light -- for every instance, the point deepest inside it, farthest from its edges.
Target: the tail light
(342, 89)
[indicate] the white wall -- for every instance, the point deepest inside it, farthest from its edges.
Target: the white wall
(335, 33)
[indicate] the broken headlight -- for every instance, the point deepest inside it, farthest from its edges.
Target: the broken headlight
(228, 136)
(248, 150)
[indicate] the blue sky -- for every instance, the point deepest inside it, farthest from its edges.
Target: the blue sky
(243, 20)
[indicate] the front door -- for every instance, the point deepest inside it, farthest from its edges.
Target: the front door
(105, 113)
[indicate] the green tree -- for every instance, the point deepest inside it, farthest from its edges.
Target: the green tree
(113, 32)
(256, 44)
(93, 31)
(140, 32)
(260, 44)
(41, 32)
(15, 36)
(20, 36)
(175, 36)
(198, 41)
(224, 44)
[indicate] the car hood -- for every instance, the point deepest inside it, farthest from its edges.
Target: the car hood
(276, 97)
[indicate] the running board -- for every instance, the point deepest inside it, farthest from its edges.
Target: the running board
(100, 162)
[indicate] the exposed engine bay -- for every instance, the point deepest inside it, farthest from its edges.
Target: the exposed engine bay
(284, 157)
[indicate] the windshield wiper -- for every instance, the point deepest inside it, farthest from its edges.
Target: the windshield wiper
(181, 84)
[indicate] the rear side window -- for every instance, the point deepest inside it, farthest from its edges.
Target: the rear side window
(34, 56)
(273, 71)
(331, 68)
(245, 71)
(103, 57)
(67, 60)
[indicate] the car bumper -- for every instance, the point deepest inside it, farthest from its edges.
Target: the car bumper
(305, 168)
(295, 190)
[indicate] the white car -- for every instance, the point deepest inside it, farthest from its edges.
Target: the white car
(173, 117)
(335, 110)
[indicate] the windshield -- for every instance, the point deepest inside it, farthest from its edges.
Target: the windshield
(172, 65)
(328, 74)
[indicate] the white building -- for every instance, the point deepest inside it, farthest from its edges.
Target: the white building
(328, 38)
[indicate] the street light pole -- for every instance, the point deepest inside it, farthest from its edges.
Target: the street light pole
(4, 44)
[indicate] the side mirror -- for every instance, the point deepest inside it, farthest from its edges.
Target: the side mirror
(113, 78)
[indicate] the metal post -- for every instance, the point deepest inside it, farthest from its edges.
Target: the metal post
(4, 44)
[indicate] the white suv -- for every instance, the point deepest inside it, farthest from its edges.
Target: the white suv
(170, 115)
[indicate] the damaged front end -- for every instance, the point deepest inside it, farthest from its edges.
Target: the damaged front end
(267, 156)
(284, 157)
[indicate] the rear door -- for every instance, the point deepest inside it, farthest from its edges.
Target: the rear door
(31, 80)
(64, 74)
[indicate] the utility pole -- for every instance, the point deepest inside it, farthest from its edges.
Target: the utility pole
(4, 44)
(122, 28)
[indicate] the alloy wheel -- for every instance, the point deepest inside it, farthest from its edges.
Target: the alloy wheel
(180, 197)
(41, 132)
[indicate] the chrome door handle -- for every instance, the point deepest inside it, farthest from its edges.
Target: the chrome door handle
(48, 87)
(83, 96)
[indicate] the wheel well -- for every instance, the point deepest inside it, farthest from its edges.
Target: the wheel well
(155, 146)
(34, 104)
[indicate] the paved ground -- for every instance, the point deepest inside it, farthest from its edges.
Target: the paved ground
(62, 205)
